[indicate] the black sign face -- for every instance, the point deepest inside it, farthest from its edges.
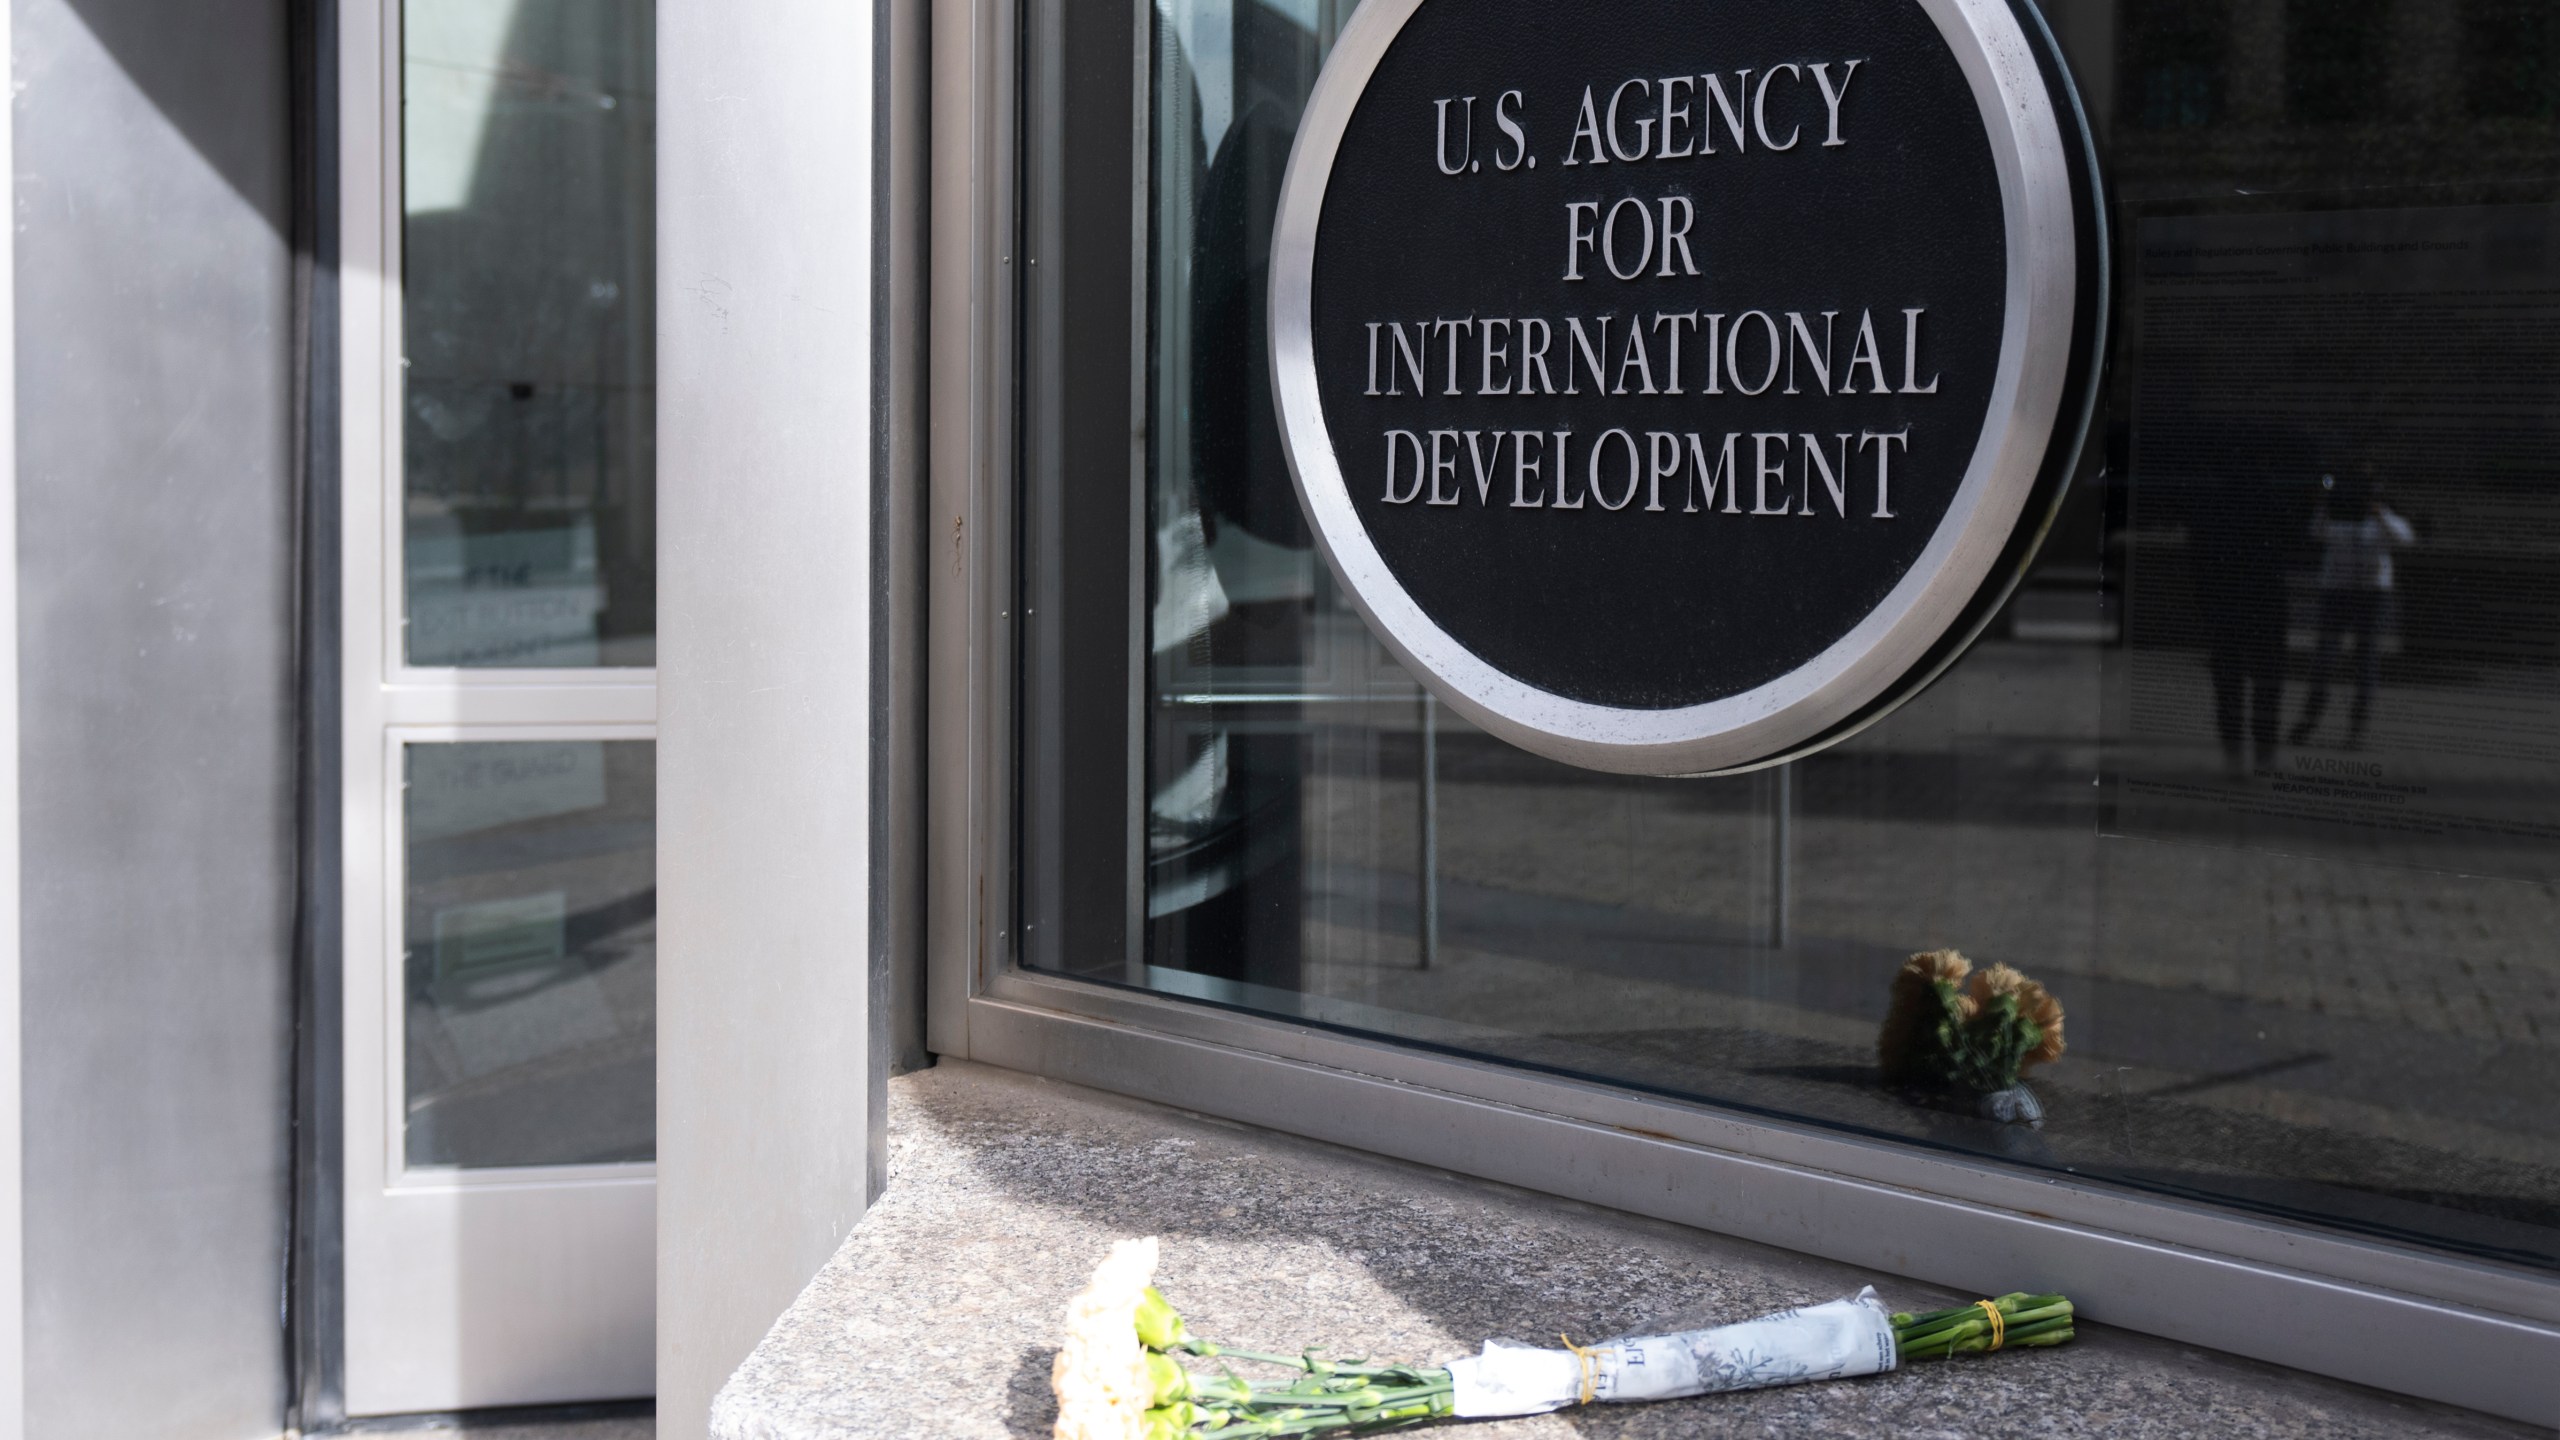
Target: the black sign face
(1677, 384)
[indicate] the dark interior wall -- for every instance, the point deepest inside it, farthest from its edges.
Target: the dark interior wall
(153, 294)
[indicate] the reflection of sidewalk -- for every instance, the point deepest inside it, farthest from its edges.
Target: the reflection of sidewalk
(2171, 1035)
(2397, 948)
(2356, 1037)
(2461, 781)
(2164, 1087)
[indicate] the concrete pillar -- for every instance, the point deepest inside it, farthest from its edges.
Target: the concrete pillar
(769, 1087)
(156, 719)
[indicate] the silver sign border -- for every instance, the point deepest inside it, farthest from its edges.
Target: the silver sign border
(1814, 701)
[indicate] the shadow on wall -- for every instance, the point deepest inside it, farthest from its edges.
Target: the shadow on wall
(195, 76)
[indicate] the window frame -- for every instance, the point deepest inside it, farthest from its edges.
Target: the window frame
(402, 1256)
(2458, 1330)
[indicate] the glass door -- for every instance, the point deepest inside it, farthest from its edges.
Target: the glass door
(500, 702)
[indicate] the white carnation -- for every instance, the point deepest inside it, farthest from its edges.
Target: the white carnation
(1101, 1373)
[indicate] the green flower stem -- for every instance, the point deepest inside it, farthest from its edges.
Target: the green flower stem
(1981, 1324)
(1306, 1364)
(1336, 1384)
(2052, 1332)
(2008, 1305)
(1365, 1397)
(1962, 1333)
(1313, 1422)
(2008, 1338)
(1325, 1397)
(2027, 1321)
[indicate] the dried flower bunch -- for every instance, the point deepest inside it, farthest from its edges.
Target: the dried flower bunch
(1952, 1028)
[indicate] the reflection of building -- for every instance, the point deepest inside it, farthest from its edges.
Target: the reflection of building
(2266, 85)
(527, 333)
(386, 938)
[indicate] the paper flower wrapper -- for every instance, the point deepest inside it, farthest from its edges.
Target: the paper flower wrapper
(1836, 1341)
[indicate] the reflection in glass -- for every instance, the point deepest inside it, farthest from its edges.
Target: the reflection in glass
(2345, 1025)
(527, 172)
(1234, 620)
(531, 944)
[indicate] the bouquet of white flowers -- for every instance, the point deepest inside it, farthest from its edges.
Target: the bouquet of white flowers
(1117, 1376)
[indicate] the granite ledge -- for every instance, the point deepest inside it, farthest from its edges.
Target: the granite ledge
(935, 1318)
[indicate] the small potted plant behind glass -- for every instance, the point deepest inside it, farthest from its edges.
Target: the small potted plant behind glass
(1959, 1038)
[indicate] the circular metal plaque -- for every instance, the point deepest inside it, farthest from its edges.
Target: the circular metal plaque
(1679, 385)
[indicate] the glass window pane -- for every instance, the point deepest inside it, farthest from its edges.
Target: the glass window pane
(528, 157)
(2259, 771)
(531, 952)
